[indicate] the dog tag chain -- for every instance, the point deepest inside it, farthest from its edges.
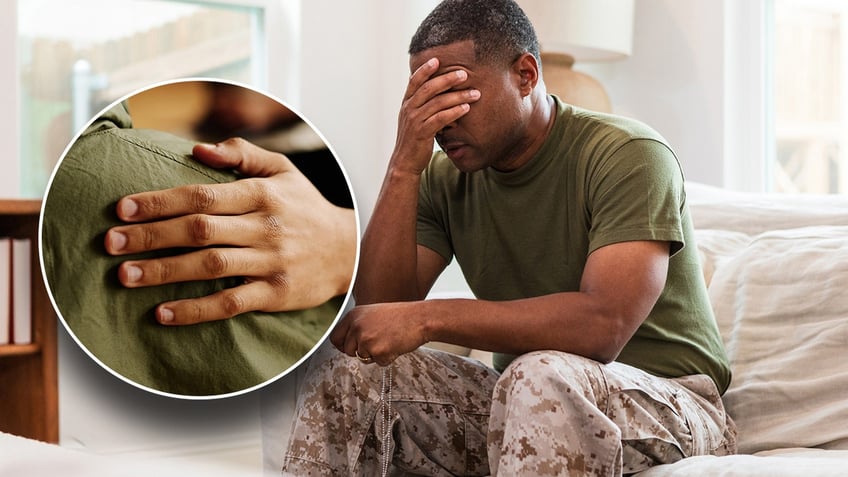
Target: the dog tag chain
(385, 411)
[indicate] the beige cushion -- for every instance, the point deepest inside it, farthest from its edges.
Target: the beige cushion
(716, 247)
(782, 308)
(753, 214)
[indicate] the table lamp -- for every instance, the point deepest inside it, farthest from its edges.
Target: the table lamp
(572, 31)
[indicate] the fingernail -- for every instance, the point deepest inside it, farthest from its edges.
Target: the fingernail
(166, 315)
(431, 62)
(127, 208)
(474, 93)
(117, 241)
(461, 74)
(133, 273)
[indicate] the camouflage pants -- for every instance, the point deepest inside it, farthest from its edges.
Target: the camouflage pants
(550, 413)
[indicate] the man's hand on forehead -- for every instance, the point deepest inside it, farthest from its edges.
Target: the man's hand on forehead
(432, 101)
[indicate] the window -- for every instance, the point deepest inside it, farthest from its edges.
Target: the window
(85, 54)
(809, 103)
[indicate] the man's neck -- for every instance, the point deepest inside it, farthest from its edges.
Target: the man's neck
(542, 120)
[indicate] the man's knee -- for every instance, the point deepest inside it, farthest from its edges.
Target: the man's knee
(551, 372)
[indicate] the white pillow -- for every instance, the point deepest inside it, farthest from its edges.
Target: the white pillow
(752, 214)
(716, 247)
(782, 308)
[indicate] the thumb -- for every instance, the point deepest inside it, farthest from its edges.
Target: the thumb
(245, 157)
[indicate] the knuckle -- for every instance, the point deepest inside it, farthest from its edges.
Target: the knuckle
(235, 142)
(233, 303)
(255, 193)
(215, 262)
(427, 89)
(149, 237)
(201, 229)
(237, 148)
(193, 313)
(164, 271)
(279, 281)
(263, 193)
(152, 206)
(272, 226)
(201, 197)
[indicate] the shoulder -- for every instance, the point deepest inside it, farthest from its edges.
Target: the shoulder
(575, 119)
(600, 140)
(582, 130)
(112, 151)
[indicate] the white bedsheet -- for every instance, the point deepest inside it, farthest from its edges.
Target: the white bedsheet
(29, 458)
(776, 463)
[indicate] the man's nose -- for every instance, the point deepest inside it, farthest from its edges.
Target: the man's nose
(447, 128)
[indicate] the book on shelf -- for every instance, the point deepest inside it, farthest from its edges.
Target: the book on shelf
(15, 291)
(21, 291)
(5, 290)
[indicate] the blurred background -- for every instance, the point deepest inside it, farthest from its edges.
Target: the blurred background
(213, 111)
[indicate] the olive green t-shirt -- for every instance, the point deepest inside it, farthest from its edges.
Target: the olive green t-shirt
(116, 324)
(597, 180)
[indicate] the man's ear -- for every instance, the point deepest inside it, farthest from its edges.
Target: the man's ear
(527, 70)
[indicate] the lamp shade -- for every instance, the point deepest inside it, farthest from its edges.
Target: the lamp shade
(587, 30)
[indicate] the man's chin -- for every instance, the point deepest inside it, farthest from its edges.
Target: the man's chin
(464, 160)
(468, 166)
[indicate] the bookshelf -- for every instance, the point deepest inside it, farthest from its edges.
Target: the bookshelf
(29, 399)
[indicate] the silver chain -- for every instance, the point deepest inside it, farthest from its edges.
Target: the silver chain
(385, 411)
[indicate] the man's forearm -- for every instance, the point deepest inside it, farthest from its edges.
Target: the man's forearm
(389, 268)
(620, 286)
(388, 257)
(573, 322)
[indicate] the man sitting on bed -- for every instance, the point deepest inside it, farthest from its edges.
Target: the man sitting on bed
(572, 231)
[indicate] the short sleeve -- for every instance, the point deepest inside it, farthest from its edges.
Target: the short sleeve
(636, 194)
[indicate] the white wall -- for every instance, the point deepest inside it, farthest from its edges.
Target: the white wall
(674, 80)
(354, 72)
(9, 128)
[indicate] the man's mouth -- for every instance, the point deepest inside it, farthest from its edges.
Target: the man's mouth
(454, 151)
(452, 148)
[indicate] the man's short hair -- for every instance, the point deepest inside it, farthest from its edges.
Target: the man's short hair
(500, 30)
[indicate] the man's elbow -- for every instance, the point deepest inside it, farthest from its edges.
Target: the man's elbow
(618, 330)
(363, 296)
(604, 356)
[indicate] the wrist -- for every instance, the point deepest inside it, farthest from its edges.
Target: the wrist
(426, 322)
(408, 163)
(400, 173)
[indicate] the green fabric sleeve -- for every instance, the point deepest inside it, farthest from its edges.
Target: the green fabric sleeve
(642, 201)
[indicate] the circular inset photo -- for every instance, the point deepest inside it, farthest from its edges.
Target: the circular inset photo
(199, 239)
